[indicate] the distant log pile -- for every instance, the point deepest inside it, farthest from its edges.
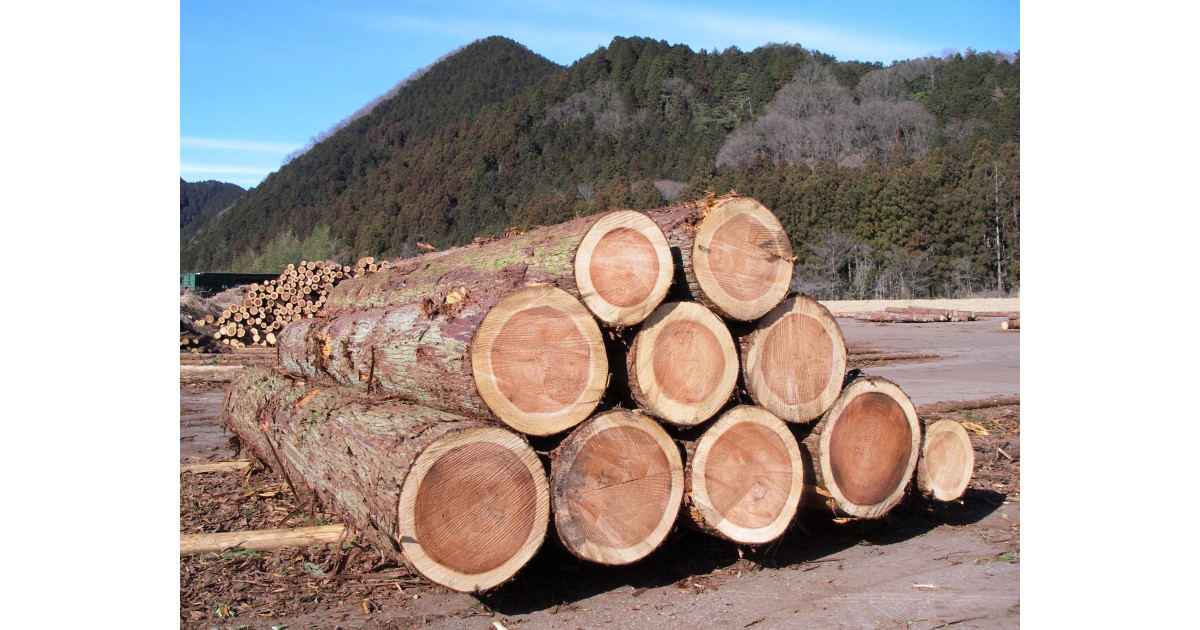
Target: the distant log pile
(617, 342)
(299, 292)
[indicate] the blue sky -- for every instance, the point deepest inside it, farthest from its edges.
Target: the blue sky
(258, 79)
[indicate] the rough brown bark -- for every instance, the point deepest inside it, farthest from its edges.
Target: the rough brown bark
(617, 263)
(533, 359)
(683, 365)
(465, 503)
(864, 449)
(616, 486)
(744, 477)
(795, 360)
(732, 255)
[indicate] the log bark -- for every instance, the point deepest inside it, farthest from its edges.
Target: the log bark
(617, 263)
(616, 486)
(1011, 324)
(465, 503)
(744, 477)
(795, 360)
(864, 449)
(683, 365)
(947, 461)
(966, 405)
(733, 255)
(533, 359)
(263, 540)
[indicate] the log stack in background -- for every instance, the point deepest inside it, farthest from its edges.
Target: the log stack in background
(655, 358)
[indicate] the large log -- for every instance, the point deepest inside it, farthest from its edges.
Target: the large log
(947, 461)
(616, 487)
(733, 255)
(744, 477)
(533, 359)
(683, 365)
(864, 449)
(617, 263)
(795, 360)
(465, 503)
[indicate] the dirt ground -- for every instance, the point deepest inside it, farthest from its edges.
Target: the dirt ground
(924, 566)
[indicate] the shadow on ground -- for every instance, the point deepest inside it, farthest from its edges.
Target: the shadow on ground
(554, 577)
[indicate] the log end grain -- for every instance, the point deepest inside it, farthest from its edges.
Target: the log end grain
(473, 509)
(746, 477)
(870, 440)
(683, 364)
(795, 360)
(742, 258)
(947, 461)
(538, 360)
(623, 267)
(616, 487)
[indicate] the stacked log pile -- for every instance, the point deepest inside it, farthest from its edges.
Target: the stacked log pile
(298, 293)
(655, 359)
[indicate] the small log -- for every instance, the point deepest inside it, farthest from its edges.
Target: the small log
(1011, 324)
(744, 477)
(683, 365)
(616, 485)
(903, 318)
(795, 360)
(966, 405)
(238, 467)
(947, 461)
(261, 540)
(864, 450)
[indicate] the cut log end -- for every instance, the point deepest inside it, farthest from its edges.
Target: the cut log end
(795, 360)
(538, 361)
(746, 477)
(623, 268)
(616, 487)
(683, 364)
(742, 258)
(947, 461)
(473, 509)
(869, 447)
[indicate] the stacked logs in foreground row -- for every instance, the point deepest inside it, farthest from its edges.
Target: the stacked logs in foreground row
(612, 343)
(298, 293)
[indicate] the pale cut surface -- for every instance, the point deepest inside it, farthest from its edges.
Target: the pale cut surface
(623, 268)
(795, 360)
(474, 508)
(947, 461)
(683, 364)
(742, 258)
(538, 360)
(747, 476)
(869, 446)
(616, 487)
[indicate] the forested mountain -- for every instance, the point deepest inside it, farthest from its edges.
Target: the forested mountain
(899, 180)
(200, 202)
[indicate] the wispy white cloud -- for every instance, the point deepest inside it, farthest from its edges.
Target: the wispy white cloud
(238, 145)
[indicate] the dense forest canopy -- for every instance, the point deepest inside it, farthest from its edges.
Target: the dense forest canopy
(892, 181)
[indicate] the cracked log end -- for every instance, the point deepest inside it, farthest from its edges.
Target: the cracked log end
(616, 487)
(474, 508)
(746, 476)
(683, 364)
(538, 360)
(796, 360)
(623, 267)
(742, 259)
